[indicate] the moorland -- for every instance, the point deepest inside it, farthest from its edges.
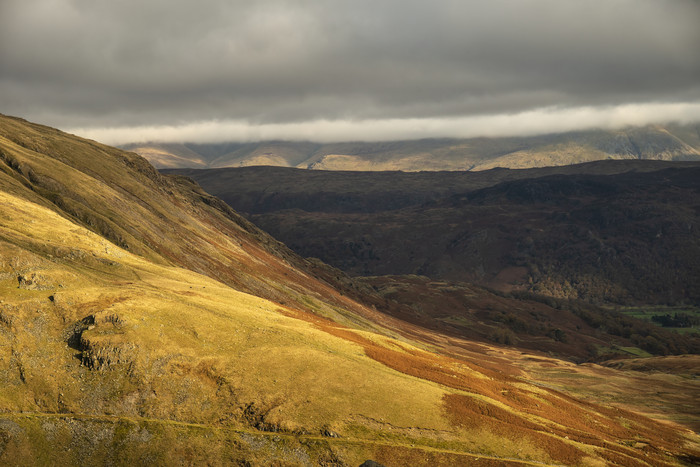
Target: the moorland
(144, 321)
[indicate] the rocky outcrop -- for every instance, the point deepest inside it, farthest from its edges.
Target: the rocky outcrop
(33, 281)
(99, 339)
(105, 354)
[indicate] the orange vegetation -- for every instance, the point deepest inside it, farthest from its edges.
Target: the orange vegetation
(549, 419)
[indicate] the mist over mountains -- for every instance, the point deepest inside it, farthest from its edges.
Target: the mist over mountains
(670, 142)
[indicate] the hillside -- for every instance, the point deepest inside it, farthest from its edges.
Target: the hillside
(144, 322)
(672, 142)
(618, 232)
(167, 220)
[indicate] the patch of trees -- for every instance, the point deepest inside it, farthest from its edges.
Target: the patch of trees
(648, 336)
(678, 320)
(503, 336)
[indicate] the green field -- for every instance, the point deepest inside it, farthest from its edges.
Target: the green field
(647, 312)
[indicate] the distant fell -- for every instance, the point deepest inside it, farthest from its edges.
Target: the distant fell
(671, 142)
(621, 232)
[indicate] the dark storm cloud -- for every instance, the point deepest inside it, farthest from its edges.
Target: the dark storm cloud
(99, 63)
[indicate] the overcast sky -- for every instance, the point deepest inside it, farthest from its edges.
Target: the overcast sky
(220, 70)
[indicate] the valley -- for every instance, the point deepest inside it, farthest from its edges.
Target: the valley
(349, 234)
(144, 321)
(608, 232)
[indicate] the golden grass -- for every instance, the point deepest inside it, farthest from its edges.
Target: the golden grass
(121, 197)
(169, 344)
(185, 335)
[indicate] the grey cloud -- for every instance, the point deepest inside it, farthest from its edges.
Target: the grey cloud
(108, 63)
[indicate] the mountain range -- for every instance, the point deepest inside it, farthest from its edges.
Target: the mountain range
(144, 321)
(671, 142)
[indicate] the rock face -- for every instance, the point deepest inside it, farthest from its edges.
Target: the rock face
(371, 463)
(101, 353)
(329, 433)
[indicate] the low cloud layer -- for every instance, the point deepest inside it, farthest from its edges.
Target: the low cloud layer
(539, 121)
(339, 70)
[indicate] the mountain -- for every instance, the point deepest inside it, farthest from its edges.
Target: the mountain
(178, 155)
(171, 156)
(620, 232)
(142, 321)
(671, 142)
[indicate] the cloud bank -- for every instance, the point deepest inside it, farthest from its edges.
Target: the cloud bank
(347, 69)
(539, 121)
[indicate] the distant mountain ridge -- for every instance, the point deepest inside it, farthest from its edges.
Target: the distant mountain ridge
(671, 142)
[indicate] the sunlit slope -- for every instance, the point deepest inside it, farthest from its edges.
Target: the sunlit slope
(171, 155)
(164, 342)
(168, 220)
(91, 330)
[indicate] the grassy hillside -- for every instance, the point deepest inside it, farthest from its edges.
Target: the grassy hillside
(168, 220)
(673, 142)
(142, 322)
